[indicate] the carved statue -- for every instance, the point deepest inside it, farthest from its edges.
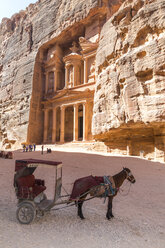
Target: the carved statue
(74, 47)
(92, 73)
(70, 76)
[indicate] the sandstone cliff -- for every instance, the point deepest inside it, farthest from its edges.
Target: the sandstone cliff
(20, 38)
(129, 104)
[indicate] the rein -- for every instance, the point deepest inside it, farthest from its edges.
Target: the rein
(121, 190)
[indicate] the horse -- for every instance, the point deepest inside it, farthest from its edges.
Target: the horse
(100, 189)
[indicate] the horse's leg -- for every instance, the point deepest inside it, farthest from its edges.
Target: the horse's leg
(79, 206)
(80, 214)
(109, 214)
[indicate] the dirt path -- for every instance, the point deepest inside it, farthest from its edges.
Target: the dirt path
(139, 217)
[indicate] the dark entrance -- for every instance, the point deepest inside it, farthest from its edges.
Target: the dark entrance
(80, 128)
(80, 122)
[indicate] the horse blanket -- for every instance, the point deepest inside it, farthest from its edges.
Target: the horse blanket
(84, 184)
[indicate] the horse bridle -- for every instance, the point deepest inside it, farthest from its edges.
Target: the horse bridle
(129, 175)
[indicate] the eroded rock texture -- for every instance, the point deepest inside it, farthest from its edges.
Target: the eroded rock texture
(129, 103)
(20, 39)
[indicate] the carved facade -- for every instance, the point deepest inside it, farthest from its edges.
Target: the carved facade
(69, 92)
(63, 89)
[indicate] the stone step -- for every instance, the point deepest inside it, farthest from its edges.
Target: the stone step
(75, 146)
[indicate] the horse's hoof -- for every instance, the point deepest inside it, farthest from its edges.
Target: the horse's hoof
(81, 217)
(108, 217)
(112, 216)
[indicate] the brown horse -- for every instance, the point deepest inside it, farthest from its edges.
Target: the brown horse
(117, 180)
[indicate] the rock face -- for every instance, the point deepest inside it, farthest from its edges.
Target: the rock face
(20, 39)
(129, 103)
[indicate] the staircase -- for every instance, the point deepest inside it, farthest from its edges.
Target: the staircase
(93, 146)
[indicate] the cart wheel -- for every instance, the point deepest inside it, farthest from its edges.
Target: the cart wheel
(25, 213)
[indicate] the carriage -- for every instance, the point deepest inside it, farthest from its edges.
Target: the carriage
(32, 200)
(30, 191)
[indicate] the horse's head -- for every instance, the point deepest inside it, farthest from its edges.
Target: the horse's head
(129, 175)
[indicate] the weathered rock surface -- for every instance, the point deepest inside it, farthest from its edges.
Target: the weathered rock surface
(129, 103)
(20, 38)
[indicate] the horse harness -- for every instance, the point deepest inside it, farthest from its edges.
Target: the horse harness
(110, 187)
(105, 189)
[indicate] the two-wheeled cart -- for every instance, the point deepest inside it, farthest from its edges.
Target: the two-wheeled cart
(32, 200)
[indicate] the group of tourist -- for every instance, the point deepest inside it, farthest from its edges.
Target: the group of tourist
(29, 148)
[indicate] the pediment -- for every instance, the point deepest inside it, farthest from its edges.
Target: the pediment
(67, 92)
(54, 60)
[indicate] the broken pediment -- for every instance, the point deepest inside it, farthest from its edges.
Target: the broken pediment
(87, 45)
(54, 60)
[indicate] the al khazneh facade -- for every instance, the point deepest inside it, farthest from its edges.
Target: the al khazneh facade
(65, 73)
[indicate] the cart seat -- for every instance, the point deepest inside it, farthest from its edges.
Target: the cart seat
(29, 187)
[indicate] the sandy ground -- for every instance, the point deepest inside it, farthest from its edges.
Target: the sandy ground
(139, 216)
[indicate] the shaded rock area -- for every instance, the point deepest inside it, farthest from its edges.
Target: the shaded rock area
(129, 103)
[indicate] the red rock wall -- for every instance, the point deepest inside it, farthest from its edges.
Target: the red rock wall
(129, 102)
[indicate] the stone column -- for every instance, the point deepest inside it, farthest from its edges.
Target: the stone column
(45, 125)
(62, 131)
(47, 82)
(75, 126)
(78, 74)
(84, 122)
(66, 76)
(54, 127)
(85, 71)
(74, 76)
(55, 80)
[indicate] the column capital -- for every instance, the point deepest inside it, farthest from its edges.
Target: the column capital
(67, 66)
(76, 105)
(85, 58)
(45, 109)
(84, 103)
(63, 107)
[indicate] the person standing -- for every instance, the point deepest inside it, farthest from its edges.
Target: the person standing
(26, 148)
(42, 149)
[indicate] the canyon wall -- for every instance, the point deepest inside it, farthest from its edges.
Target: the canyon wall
(20, 40)
(129, 103)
